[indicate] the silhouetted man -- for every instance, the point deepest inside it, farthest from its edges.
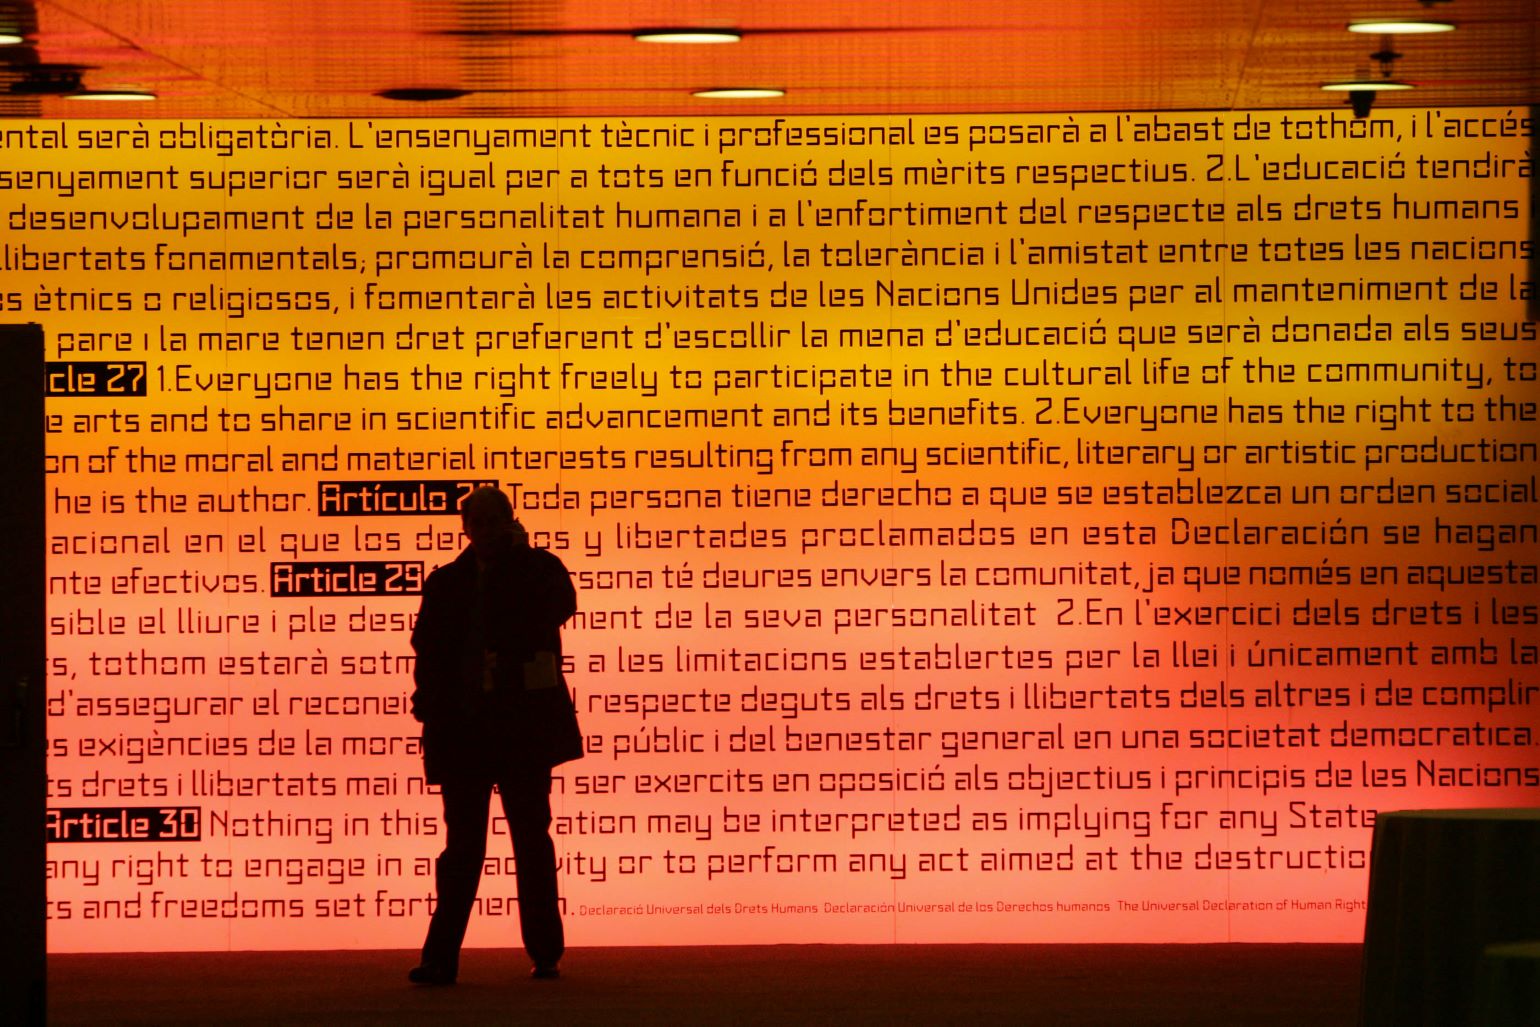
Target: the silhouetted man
(494, 711)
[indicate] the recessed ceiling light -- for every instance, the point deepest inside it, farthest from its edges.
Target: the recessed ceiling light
(1367, 86)
(110, 94)
(11, 39)
(738, 94)
(686, 36)
(421, 94)
(1387, 27)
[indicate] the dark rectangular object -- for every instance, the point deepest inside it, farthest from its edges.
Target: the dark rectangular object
(23, 766)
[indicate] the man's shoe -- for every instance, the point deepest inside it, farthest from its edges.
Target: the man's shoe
(545, 972)
(429, 973)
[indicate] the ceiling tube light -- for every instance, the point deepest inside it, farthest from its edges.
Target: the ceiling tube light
(11, 39)
(1387, 27)
(110, 94)
(687, 36)
(738, 94)
(1369, 85)
(1360, 95)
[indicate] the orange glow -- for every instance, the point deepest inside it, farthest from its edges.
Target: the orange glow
(997, 529)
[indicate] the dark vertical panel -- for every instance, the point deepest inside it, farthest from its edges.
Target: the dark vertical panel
(1534, 220)
(23, 929)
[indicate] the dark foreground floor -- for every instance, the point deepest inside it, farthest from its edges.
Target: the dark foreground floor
(1194, 985)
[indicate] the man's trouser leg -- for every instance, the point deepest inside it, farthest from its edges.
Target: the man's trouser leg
(527, 804)
(458, 870)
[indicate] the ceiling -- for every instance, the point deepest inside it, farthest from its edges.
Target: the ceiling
(329, 58)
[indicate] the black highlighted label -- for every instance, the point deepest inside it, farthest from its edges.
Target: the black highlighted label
(392, 498)
(94, 378)
(309, 579)
(125, 824)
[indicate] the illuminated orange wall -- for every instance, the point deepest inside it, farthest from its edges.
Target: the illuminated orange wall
(986, 529)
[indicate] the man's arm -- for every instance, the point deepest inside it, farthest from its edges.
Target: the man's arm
(430, 641)
(557, 599)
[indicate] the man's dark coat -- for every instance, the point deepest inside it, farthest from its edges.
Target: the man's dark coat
(518, 715)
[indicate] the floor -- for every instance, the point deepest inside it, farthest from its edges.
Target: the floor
(1193, 985)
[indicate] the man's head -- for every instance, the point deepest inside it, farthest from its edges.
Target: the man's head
(487, 517)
